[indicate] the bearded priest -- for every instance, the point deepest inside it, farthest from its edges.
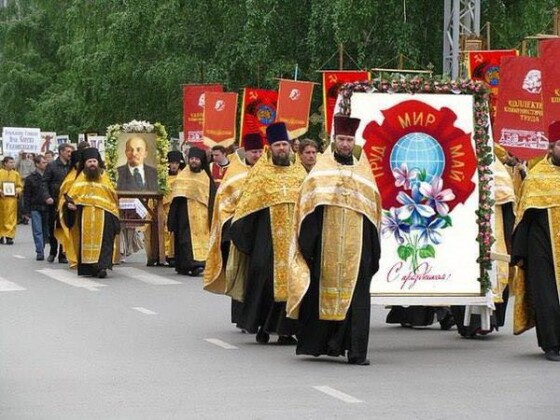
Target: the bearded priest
(335, 252)
(261, 228)
(92, 203)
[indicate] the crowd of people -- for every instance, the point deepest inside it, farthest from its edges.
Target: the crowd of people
(289, 232)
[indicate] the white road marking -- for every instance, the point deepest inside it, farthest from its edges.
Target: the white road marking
(8, 286)
(337, 394)
(144, 276)
(220, 343)
(21, 257)
(71, 278)
(144, 310)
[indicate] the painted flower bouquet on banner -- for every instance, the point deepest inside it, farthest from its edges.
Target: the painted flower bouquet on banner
(417, 224)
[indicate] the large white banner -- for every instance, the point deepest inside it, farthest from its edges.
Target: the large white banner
(17, 139)
(422, 153)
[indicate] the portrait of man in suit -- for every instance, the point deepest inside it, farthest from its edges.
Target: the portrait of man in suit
(136, 174)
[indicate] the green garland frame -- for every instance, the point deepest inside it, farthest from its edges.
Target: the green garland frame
(134, 126)
(481, 118)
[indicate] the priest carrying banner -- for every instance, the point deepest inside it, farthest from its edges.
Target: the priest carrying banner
(335, 251)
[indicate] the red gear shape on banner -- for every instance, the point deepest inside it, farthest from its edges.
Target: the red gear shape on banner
(413, 116)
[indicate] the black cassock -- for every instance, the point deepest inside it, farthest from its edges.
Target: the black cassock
(252, 235)
(236, 306)
(420, 316)
(531, 242)
(178, 223)
(334, 338)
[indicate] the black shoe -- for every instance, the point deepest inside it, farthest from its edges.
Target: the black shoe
(50, 258)
(2, 240)
(286, 340)
(552, 355)
(9, 241)
(62, 260)
(101, 274)
(359, 362)
(170, 262)
(40, 257)
(447, 323)
(262, 336)
(197, 271)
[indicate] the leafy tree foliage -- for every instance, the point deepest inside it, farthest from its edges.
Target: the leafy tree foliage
(79, 65)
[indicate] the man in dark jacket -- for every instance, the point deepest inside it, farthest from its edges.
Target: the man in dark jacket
(52, 179)
(34, 206)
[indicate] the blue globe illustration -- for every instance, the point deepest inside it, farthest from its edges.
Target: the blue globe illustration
(419, 151)
(266, 114)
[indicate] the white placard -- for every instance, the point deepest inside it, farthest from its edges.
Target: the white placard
(428, 245)
(61, 139)
(17, 139)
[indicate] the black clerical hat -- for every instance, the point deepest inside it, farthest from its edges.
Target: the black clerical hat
(252, 141)
(345, 126)
(196, 152)
(277, 132)
(90, 153)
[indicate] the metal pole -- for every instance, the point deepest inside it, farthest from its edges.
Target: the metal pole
(455, 36)
(446, 38)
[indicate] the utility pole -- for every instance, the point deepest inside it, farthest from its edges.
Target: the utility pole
(461, 18)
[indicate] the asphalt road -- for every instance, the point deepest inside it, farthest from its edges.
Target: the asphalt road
(148, 343)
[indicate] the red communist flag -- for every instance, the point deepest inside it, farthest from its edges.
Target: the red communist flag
(193, 107)
(332, 81)
(220, 110)
(294, 102)
(258, 110)
(485, 66)
(518, 126)
(550, 57)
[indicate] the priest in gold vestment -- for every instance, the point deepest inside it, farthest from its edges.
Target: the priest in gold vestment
(335, 252)
(536, 249)
(10, 188)
(262, 230)
(224, 263)
(176, 163)
(190, 214)
(93, 203)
